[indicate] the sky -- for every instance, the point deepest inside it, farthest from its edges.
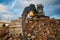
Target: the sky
(12, 9)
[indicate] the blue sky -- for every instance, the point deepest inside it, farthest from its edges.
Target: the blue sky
(12, 9)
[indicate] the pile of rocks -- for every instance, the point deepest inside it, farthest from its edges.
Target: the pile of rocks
(44, 29)
(40, 29)
(5, 35)
(11, 37)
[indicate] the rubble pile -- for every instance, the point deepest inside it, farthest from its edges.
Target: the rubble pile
(5, 35)
(10, 37)
(36, 29)
(44, 29)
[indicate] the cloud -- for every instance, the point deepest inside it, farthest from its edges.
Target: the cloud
(14, 8)
(21, 4)
(50, 6)
(7, 17)
(27, 2)
(3, 8)
(7, 12)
